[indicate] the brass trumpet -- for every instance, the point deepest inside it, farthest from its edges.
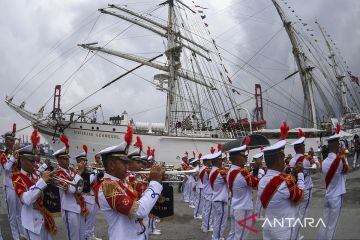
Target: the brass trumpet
(90, 168)
(59, 183)
(173, 176)
(307, 170)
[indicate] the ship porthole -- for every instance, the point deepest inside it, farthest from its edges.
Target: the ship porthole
(92, 128)
(114, 129)
(97, 128)
(80, 126)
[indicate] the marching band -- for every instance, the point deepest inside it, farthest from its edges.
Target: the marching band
(217, 187)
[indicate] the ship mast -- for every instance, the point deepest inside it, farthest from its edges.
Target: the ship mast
(305, 72)
(341, 91)
(170, 53)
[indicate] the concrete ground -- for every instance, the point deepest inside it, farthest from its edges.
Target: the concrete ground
(183, 226)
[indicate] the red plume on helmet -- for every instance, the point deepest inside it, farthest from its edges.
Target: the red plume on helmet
(14, 128)
(337, 129)
(65, 140)
(85, 148)
(219, 147)
(247, 140)
(212, 150)
(129, 135)
(301, 133)
(138, 143)
(284, 129)
(152, 152)
(148, 152)
(35, 139)
(200, 155)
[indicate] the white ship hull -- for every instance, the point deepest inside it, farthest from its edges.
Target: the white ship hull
(167, 148)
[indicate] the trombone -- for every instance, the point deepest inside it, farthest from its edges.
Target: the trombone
(63, 184)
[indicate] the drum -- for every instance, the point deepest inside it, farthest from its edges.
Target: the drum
(52, 200)
(87, 186)
(164, 208)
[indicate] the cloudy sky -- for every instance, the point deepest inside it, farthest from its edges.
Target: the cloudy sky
(39, 37)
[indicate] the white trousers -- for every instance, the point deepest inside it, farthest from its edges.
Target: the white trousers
(199, 203)
(44, 235)
(302, 209)
(72, 224)
(221, 214)
(356, 161)
(238, 232)
(90, 221)
(208, 211)
(192, 194)
(331, 214)
(14, 212)
(186, 192)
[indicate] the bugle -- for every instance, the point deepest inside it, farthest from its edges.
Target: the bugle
(63, 184)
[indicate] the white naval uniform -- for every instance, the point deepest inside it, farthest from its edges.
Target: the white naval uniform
(199, 203)
(220, 202)
(241, 205)
(186, 190)
(90, 220)
(208, 211)
(333, 198)
(279, 208)
(120, 226)
(192, 183)
(12, 201)
(305, 203)
(31, 218)
(70, 209)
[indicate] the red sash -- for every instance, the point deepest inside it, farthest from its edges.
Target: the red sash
(202, 174)
(215, 174)
(232, 177)
(3, 159)
(303, 157)
(300, 160)
(334, 166)
(78, 196)
(272, 186)
(22, 184)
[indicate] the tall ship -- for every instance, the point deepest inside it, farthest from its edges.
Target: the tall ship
(202, 108)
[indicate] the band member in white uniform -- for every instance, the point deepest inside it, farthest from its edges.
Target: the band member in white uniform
(220, 195)
(240, 183)
(72, 202)
(37, 221)
(124, 214)
(199, 201)
(279, 192)
(10, 165)
(207, 215)
(306, 161)
(334, 168)
(90, 178)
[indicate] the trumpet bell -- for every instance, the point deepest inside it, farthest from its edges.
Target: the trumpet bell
(64, 184)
